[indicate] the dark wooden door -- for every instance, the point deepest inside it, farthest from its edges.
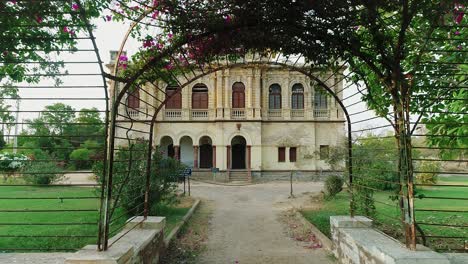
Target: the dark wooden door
(238, 156)
(206, 156)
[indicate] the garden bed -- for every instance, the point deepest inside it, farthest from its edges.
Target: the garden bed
(386, 215)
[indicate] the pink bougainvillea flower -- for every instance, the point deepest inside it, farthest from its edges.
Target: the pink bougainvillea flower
(108, 18)
(155, 3)
(159, 46)
(170, 35)
(123, 66)
(457, 33)
(123, 58)
(459, 47)
(227, 19)
(66, 30)
(169, 66)
(155, 14)
(75, 6)
(148, 43)
(458, 13)
(39, 19)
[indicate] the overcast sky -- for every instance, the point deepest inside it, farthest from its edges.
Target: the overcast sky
(108, 37)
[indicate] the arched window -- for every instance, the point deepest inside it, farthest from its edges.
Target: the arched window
(134, 99)
(175, 98)
(320, 99)
(297, 97)
(200, 96)
(238, 95)
(274, 98)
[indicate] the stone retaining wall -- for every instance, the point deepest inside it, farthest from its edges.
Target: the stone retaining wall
(356, 242)
(143, 242)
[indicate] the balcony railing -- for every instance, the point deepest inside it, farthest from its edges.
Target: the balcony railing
(321, 113)
(134, 114)
(238, 113)
(172, 114)
(199, 114)
(275, 113)
(297, 113)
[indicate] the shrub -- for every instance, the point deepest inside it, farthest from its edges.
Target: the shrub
(333, 185)
(11, 163)
(41, 173)
(429, 173)
(129, 182)
(81, 158)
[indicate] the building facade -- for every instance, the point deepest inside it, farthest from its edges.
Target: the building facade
(248, 123)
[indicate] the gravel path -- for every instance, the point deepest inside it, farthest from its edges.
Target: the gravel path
(246, 227)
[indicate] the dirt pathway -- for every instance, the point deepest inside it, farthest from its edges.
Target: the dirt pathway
(246, 228)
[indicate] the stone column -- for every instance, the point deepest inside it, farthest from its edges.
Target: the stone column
(195, 157)
(214, 157)
(228, 158)
(176, 153)
(249, 162)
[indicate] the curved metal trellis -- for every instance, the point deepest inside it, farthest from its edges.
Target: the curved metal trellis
(51, 201)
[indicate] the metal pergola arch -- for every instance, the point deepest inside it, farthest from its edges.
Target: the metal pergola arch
(112, 114)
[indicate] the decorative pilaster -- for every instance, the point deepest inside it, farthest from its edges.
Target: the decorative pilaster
(249, 162)
(248, 98)
(228, 158)
(195, 157)
(176, 153)
(214, 157)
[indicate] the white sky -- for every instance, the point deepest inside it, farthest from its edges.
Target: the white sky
(108, 37)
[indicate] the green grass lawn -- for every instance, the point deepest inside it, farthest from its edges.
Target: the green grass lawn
(72, 224)
(388, 213)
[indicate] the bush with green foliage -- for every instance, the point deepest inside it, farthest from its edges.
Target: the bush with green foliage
(375, 161)
(129, 178)
(428, 173)
(11, 163)
(333, 186)
(44, 173)
(81, 158)
(2, 140)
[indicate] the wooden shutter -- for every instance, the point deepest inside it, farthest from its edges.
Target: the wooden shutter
(238, 95)
(175, 102)
(281, 154)
(134, 99)
(292, 154)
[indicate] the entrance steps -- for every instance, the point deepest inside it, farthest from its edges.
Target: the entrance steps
(239, 176)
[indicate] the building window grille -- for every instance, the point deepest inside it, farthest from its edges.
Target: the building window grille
(297, 97)
(200, 96)
(281, 154)
(293, 154)
(275, 96)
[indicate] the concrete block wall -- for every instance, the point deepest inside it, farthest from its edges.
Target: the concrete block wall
(143, 242)
(356, 242)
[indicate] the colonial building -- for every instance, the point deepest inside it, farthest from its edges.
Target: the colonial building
(248, 122)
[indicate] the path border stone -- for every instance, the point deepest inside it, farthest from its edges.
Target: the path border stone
(326, 242)
(176, 229)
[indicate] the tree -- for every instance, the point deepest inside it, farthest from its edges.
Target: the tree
(8, 94)
(89, 125)
(53, 130)
(32, 30)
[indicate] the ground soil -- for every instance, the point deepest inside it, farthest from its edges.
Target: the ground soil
(250, 224)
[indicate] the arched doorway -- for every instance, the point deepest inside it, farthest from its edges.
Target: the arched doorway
(206, 153)
(167, 147)
(186, 151)
(238, 151)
